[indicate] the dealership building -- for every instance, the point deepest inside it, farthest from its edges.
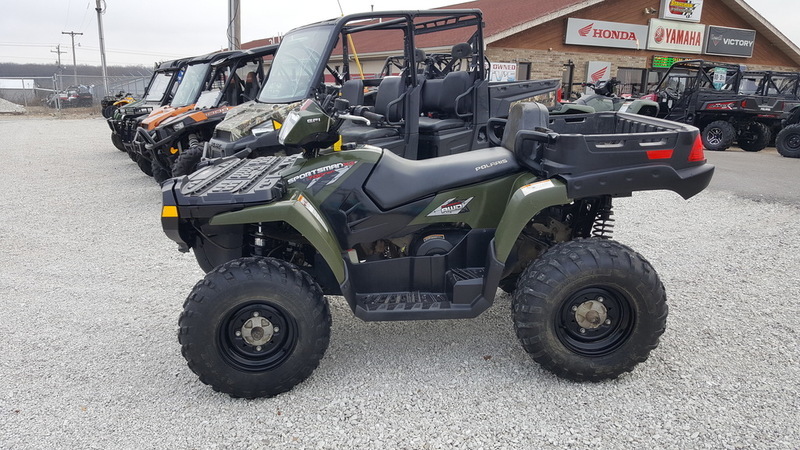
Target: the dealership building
(634, 41)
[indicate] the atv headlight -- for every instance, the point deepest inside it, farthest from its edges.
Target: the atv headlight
(178, 126)
(290, 122)
(262, 128)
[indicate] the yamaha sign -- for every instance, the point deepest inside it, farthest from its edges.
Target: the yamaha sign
(676, 36)
(724, 41)
(605, 34)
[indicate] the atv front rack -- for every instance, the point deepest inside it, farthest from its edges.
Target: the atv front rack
(235, 180)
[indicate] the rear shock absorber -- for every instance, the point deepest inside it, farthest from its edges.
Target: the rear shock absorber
(604, 221)
(193, 140)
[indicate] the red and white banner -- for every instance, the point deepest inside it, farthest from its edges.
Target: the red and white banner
(676, 36)
(685, 10)
(597, 71)
(605, 34)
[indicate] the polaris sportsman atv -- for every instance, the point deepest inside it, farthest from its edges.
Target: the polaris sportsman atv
(604, 98)
(424, 105)
(402, 239)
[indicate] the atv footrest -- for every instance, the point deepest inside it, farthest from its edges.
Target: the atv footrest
(464, 285)
(408, 306)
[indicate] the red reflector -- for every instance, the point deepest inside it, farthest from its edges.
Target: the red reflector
(697, 150)
(659, 154)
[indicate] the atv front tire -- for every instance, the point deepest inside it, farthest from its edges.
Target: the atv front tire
(255, 327)
(760, 137)
(788, 141)
(589, 309)
(144, 165)
(160, 174)
(718, 135)
(117, 141)
(187, 160)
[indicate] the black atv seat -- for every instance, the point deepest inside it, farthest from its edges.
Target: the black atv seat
(396, 181)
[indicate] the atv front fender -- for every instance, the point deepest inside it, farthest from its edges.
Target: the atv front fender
(525, 203)
(300, 214)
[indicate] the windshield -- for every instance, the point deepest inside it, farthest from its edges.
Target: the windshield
(158, 87)
(190, 87)
(293, 68)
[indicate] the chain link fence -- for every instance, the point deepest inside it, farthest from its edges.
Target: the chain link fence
(62, 90)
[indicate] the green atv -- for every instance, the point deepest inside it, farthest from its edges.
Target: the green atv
(402, 239)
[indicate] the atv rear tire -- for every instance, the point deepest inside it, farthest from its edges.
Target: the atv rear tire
(718, 135)
(117, 141)
(589, 309)
(255, 327)
(187, 160)
(760, 137)
(788, 141)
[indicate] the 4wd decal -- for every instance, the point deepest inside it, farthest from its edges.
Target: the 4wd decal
(451, 207)
(320, 177)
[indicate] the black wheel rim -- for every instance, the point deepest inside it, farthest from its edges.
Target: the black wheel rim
(615, 329)
(251, 358)
(793, 142)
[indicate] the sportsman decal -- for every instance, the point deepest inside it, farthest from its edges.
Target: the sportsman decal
(320, 177)
(451, 207)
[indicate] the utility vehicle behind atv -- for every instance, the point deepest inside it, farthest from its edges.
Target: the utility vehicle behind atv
(690, 93)
(409, 240)
(162, 86)
(423, 105)
(778, 99)
(177, 143)
(196, 78)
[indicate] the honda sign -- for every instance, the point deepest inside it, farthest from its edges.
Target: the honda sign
(605, 34)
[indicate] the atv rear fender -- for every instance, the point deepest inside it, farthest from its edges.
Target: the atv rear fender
(525, 203)
(301, 214)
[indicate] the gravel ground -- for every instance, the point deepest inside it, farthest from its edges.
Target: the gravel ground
(91, 290)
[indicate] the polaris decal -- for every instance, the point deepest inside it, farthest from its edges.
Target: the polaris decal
(323, 176)
(451, 207)
(491, 164)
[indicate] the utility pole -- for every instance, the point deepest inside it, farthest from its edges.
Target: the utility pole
(234, 25)
(59, 51)
(100, 11)
(74, 62)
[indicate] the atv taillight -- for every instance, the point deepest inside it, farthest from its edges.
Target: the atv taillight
(697, 150)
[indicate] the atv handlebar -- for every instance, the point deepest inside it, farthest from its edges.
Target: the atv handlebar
(355, 118)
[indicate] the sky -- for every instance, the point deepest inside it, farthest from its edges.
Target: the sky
(142, 32)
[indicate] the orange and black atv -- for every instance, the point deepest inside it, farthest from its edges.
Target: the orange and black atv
(196, 78)
(179, 139)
